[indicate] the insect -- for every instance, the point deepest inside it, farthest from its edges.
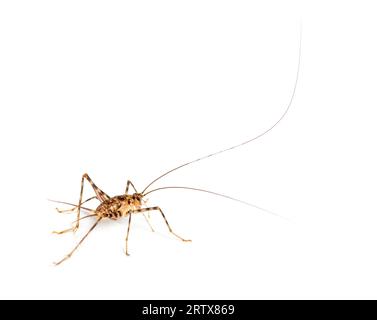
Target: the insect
(126, 205)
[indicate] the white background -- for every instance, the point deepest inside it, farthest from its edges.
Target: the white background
(129, 89)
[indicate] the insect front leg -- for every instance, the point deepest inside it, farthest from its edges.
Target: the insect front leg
(142, 210)
(129, 183)
(100, 195)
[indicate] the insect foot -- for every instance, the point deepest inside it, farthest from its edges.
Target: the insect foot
(66, 210)
(179, 237)
(62, 232)
(62, 260)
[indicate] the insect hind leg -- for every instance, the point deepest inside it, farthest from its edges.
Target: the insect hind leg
(100, 195)
(80, 242)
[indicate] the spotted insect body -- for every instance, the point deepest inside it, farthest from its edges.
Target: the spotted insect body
(119, 206)
(112, 208)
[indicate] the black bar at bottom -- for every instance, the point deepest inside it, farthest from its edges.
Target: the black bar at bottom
(185, 309)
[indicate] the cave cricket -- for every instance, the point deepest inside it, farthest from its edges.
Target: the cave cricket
(128, 204)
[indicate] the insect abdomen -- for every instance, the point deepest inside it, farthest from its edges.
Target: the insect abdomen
(110, 209)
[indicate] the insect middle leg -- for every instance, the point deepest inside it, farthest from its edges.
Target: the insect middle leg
(142, 210)
(100, 195)
(128, 232)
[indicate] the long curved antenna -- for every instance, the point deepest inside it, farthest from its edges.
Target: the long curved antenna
(245, 142)
(219, 195)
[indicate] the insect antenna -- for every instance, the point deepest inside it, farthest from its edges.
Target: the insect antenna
(70, 204)
(219, 195)
(247, 141)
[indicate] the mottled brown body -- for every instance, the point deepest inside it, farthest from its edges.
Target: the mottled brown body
(119, 206)
(112, 208)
